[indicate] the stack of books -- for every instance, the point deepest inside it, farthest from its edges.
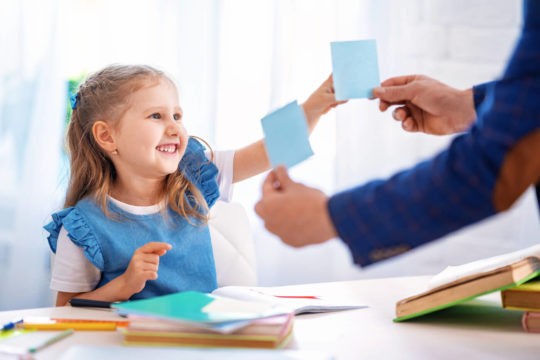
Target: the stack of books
(525, 297)
(231, 316)
(197, 319)
(515, 275)
(270, 332)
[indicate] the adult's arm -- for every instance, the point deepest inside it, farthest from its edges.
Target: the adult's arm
(482, 172)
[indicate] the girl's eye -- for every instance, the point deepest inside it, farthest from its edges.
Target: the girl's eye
(177, 117)
(156, 116)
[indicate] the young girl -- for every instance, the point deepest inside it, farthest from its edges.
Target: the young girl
(140, 190)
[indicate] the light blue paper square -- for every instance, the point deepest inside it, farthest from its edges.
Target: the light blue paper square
(355, 68)
(286, 136)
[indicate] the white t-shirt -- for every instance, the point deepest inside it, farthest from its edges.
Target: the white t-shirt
(73, 272)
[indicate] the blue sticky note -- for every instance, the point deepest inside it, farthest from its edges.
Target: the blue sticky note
(286, 136)
(355, 68)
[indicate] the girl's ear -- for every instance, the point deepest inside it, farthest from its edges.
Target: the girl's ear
(103, 135)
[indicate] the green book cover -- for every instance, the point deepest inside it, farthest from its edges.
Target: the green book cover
(468, 288)
(462, 300)
(197, 307)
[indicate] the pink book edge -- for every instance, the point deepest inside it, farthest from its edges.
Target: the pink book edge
(524, 321)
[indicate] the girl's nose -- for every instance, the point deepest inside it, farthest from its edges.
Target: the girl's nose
(173, 129)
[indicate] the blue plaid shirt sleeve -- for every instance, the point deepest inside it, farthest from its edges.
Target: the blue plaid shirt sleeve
(476, 177)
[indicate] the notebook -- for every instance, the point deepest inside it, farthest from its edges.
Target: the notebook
(23, 343)
(271, 332)
(200, 309)
(297, 303)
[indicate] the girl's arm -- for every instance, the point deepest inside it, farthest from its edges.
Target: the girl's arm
(115, 290)
(142, 267)
(253, 159)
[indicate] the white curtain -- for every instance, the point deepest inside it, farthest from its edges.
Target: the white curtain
(32, 106)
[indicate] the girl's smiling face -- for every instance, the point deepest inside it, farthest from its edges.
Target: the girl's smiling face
(150, 137)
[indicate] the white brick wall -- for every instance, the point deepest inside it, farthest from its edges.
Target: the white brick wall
(477, 13)
(480, 45)
(459, 41)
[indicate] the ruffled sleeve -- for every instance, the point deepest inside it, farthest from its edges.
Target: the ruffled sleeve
(78, 231)
(200, 171)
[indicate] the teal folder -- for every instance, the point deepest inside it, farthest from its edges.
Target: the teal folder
(197, 307)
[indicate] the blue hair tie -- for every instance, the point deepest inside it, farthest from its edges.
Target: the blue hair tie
(74, 99)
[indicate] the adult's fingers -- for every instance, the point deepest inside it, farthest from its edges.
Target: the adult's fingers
(282, 177)
(383, 105)
(409, 124)
(270, 183)
(401, 113)
(395, 94)
(399, 80)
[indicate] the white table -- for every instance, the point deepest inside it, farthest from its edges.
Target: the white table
(468, 331)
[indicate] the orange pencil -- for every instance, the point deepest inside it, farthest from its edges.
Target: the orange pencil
(75, 324)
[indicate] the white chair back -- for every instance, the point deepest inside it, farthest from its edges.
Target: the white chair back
(232, 241)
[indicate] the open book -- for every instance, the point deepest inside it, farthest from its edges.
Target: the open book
(298, 304)
(461, 283)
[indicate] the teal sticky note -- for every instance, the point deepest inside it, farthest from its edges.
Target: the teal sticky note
(286, 136)
(355, 68)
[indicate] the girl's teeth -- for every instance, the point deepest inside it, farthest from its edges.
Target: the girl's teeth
(169, 149)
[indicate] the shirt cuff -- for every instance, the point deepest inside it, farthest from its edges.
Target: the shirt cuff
(479, 93)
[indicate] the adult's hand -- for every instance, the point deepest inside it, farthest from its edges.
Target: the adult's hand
(298, 214)
(427, 105)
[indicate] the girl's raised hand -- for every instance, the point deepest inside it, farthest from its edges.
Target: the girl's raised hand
(144, 266)
(320, 102)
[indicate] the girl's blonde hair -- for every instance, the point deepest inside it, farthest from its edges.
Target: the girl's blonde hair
(104, 95)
